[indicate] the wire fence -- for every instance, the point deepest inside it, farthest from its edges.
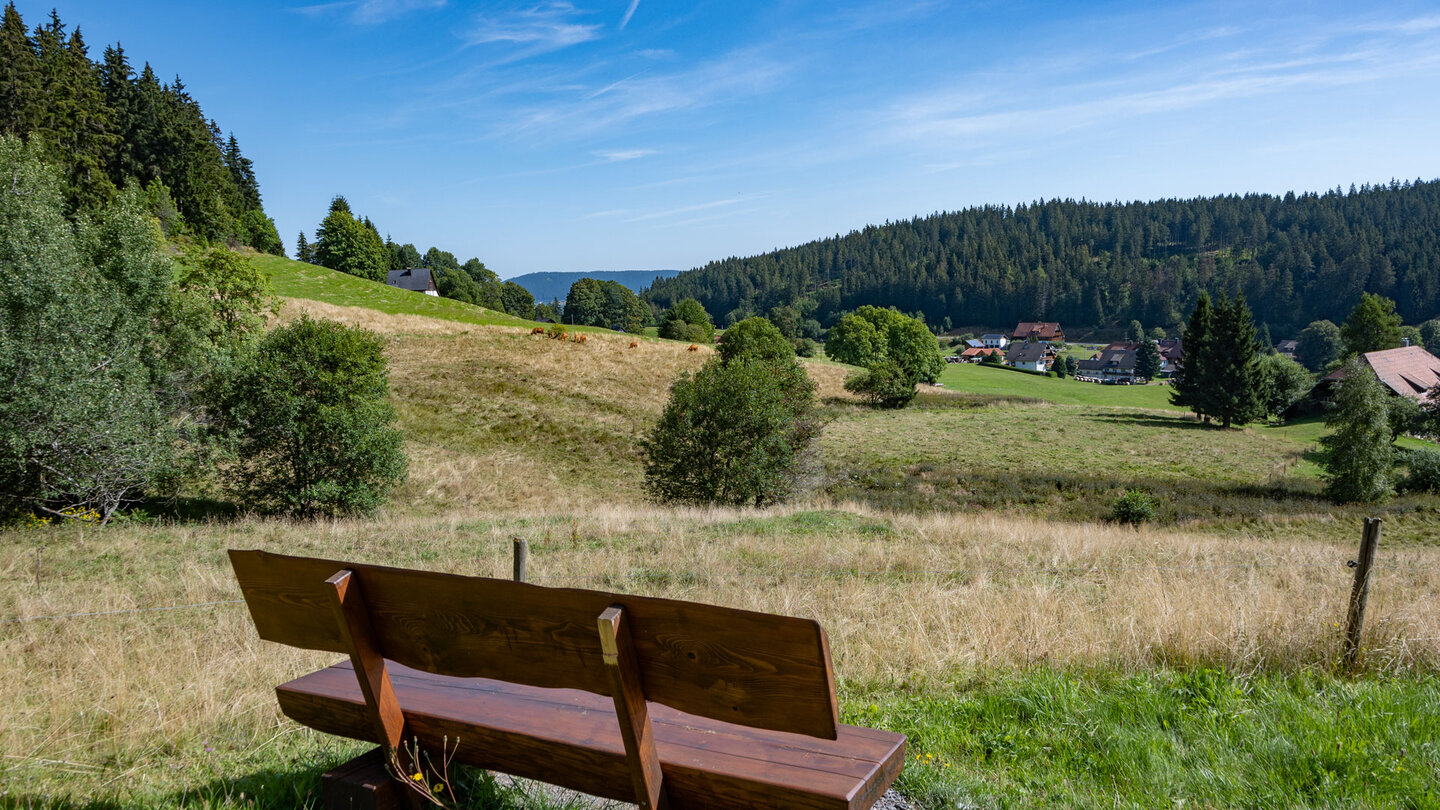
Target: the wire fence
(832, 573)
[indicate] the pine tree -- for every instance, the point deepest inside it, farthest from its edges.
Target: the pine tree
(1147, 360)
(19, 76)
(1234, 373)
(302, 250)
(1191, 386)
(1372, 326)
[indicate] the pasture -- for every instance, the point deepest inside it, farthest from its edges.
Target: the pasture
(1036, 655)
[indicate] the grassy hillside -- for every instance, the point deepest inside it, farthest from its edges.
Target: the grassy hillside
(294, 279)
(1037, 657)
(981, 379)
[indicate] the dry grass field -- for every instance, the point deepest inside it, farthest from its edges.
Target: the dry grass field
(518, 436)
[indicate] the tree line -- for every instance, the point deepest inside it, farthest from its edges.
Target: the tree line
(108, 127)
(1298, 258)
(352, 244)
(127, 375)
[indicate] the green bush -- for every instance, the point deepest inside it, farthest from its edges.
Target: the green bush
(733, 433)
(1424, 472)
(1133, 507)
(308, 420)
(755, 339)
(805, 347)
(886, 385)
(687, 320)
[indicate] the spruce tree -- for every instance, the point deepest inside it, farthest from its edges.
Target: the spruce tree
(1234, 372)
(1147, 360)
(1192, 386)
(19, 76)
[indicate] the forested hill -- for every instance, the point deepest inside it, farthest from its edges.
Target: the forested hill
(1297, 258)
(550, 286)
(107, 126)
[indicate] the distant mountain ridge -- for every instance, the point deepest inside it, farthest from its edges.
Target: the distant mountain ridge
(547, 287)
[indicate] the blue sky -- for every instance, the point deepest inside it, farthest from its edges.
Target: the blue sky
(640, 134)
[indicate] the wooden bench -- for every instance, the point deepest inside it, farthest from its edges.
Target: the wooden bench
(654, 701)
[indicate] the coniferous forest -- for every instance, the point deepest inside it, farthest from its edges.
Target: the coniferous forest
(1296, 258)
(107, 126)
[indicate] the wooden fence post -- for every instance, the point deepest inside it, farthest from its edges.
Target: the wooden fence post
(522, 557)
(1360, 591)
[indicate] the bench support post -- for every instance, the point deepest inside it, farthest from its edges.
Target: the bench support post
(631, 710)
(365, 656)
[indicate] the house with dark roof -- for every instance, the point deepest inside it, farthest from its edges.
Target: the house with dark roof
(1043, 332)
(994, 340)
(415, 279)
(1171, 353)
(1114, 363)
(1028, 355)
(1289, 348)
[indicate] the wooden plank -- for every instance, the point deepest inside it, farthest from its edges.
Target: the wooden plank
(362, 783)
(571, 738)
(631, 712)
(765, 671)
(354, 622)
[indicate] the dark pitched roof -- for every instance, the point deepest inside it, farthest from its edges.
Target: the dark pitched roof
(1044, 330)
(416, 279)
(1287, 346)
(1116, 357)
(1025, 353)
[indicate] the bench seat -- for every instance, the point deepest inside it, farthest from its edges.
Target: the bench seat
(570, 737)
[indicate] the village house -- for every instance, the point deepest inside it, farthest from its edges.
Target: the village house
(1115, 364)
(1408, 371)
(1046, 332)
(1289, 348)
(975, 355)
(1171, 352)
(995, 340)
(415, 279)
(1027, 355)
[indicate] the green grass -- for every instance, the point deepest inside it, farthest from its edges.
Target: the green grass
(293, 279)
(1166, 738)
(980, 379)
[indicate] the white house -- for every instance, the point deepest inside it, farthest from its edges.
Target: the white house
(1028, 355)
(994, 341)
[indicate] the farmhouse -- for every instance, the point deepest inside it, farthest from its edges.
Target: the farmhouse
(1046, 332)
(1114, 364)
(994, 340)
(1171, 353)
(974, 355)
(1289, 348)
(1408, 371)
(1028, 355)
(415, 279)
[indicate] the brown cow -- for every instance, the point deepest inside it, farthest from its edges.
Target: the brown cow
(634, 344)
(539, 330)
(693, 348)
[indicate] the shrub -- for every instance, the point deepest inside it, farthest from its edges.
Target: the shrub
(873, 335)
(1133, 507)
(1358, 456)
(556, 330)
(884, 384)
(755, 339)
(1424, 473)
(734, 433)
(687, 320)
(308, 418)
(805, 347)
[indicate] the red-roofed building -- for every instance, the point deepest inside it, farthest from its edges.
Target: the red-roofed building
(1046, 332)
(1409, 371)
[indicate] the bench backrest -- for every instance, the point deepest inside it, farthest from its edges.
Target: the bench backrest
(753, 669)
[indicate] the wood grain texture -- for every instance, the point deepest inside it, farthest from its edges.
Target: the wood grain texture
(571, 738)
(631, 711)
(362, 783)
(755, 669)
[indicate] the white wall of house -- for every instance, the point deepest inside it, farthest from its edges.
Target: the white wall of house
(1038, 365)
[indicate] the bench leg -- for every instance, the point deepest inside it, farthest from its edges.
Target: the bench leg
(363, 783)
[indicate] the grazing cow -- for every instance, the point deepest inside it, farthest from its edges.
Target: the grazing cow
(539, 330)
(634, 344)
(693, 348)
(583, 337)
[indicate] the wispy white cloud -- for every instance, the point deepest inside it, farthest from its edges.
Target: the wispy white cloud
(688, 209)
(629, 12)
(619, 155)
(368, 12)
(542, 28)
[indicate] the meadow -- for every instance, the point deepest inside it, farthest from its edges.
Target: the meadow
(1036, 654)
